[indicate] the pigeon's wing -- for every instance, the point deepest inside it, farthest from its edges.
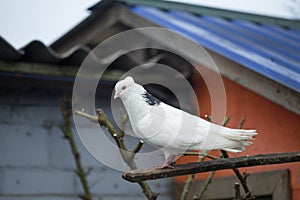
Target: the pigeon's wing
(169, 126)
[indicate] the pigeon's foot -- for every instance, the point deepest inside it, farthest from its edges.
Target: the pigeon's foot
(166, 165)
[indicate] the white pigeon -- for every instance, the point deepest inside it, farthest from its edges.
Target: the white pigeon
(173, 130)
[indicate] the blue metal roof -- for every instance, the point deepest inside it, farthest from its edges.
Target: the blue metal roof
(271, 51)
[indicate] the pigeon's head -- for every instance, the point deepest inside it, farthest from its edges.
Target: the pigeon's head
(124, 87)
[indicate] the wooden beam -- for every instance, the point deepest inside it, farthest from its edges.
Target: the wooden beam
(49, 70)
(62, 72)
(37, 68)
(214, 165)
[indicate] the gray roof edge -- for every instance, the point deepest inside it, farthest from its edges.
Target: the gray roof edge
(205, 10)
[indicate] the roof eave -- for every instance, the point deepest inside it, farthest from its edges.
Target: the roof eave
(204, 10)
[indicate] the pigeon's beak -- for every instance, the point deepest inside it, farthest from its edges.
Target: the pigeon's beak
(117, 94)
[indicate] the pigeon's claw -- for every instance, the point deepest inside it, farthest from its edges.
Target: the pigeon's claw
(168, 164)
(165, 166)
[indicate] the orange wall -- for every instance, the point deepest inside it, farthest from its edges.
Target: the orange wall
(278, 128)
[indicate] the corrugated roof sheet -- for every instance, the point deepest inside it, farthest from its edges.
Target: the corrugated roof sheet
(271, 51)
(37, 52)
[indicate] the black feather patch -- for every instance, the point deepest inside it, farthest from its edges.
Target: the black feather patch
(151, 100)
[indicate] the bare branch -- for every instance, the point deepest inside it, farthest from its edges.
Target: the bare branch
(123, 121)
(205, 186)
(189, 181)
(241, 123)
(220, 164)
(236, 171)
(127, 155)
(212, 173)
(138, 146)
(66, 111)
(87, 116)
(239, 176)
(237, 191)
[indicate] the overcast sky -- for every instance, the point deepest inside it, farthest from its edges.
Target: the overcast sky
(46, 20)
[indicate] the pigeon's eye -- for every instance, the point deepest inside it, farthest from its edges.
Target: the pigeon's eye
(124, 87)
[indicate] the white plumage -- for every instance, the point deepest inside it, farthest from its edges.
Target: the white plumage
(172, 130)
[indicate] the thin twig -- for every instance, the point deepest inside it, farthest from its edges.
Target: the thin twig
(237, 191)
(225, 121)
(190, 179)
(212, 173)
(188, 182)
(138, 146)
(239, 176)
(187, 186)
(123, 121)
(241, 123)
(128, 156)
(87, 116)
(205, 185)
(65, 106)
(242, 178)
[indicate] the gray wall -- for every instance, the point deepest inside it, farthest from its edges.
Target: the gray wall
(36, 163)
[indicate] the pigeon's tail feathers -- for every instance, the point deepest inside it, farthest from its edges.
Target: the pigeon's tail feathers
(232, 140)
(238, 139)
(239, 134)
